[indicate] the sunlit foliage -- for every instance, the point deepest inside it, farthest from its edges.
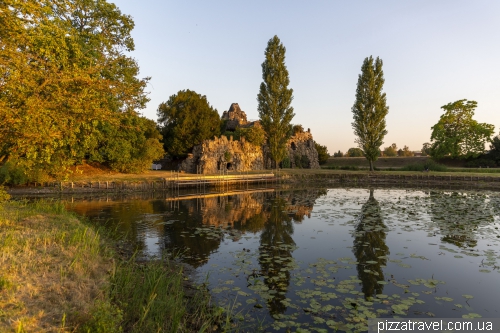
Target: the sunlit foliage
(64, 76)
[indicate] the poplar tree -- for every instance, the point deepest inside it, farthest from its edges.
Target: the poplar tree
(274, 100)
(370, 109)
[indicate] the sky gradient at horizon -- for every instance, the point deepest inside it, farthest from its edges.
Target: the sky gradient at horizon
(434, 53)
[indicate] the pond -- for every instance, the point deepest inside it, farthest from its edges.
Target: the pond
(324, 259)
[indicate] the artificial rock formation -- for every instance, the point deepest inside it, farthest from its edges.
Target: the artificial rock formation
(223, 154)
(228, 154)
(234, 117)
(301, 147)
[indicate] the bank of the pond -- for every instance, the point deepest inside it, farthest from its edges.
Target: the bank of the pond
(59, 273)
(168, 181)
(481, 180)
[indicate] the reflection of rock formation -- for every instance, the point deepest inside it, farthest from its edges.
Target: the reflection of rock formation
(231, 210)
(458, 216)
(301, 203)
(275, 253)
(163, 226)
(370, 248)
(244, 212)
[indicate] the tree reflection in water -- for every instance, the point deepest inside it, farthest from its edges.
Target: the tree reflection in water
(370, 248)
(275, 253)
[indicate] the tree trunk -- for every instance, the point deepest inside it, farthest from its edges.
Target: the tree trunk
(371, 165)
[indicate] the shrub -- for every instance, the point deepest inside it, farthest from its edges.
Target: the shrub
(338, 154)
(297, 161)
(297, 129)
(255, 135)
(391, 151)
(428, 165)
(354, 152)
(304, 161)
(4, 196)
(480, 162)
(227, 156)
(285, 164)
(12, 174)
(322, 153)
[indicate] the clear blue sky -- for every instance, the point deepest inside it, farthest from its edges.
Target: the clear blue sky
(434, 52)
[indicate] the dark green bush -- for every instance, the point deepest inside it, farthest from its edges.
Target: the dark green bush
(480, 162)
(4, 196)
(305, 162)
(297, 160)
(285, 164)
(12, 174)
(429, 165)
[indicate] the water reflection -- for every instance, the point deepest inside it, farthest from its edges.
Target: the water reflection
(275, 253)
(170, 223)
(460, 215)
(370, 248)
(271, 253)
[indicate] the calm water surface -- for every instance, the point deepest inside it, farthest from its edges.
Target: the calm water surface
(323, 259)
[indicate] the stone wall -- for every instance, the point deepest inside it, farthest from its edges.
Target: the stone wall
(223, 153)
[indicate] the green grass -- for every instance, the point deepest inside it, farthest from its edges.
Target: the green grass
(153, 299)
(59, 273)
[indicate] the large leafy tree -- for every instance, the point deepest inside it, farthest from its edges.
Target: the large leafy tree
(129, 147)
(274, 100)
(187, 119)
(456, 134)
(63, 75)
(370, 109)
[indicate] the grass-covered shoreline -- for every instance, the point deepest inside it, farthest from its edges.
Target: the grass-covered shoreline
(58, 273)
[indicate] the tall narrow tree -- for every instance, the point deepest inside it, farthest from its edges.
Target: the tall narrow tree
(274, 98)
(369, 109)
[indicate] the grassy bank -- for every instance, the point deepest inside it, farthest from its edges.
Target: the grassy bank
(414, 163)
(57, 274)
(381, 162)
(363, 172)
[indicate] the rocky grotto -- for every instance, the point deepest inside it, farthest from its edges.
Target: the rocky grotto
(224, 153)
